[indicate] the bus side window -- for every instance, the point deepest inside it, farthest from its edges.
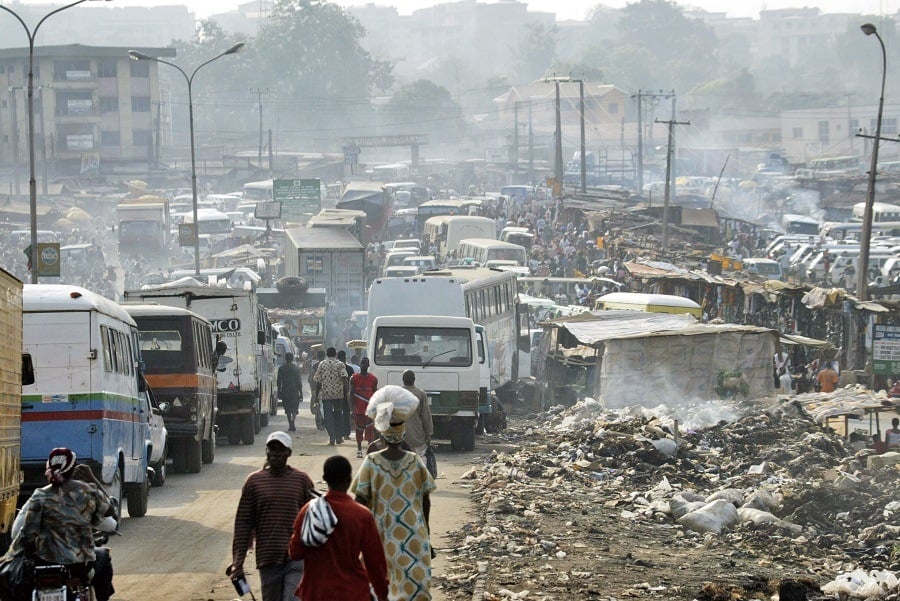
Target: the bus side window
(107, 352)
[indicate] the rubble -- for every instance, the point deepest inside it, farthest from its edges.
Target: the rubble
(592, 505)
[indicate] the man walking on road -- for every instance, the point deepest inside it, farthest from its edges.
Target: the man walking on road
(290, 389)
(331, 378)
(333, 569)
(270, 500)
(419, 427)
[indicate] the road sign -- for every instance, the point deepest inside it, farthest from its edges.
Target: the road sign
(300, 198)
(186, 235)
(48, 259)
(267, 210)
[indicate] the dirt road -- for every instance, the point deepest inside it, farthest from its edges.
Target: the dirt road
(180, 549)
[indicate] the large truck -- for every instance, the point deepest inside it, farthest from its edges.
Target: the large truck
(143, 224)
(245, 372)
(15, 370)
(333, 259)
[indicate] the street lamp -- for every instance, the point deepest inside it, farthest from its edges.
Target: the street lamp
(862, 276)
(140, 56)
(32, 182)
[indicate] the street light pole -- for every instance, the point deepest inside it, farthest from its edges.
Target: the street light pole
(140, 56)
(32, 182)
(862, 276)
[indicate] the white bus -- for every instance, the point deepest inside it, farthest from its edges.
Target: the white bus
(88, 396)
(261, 190)
(447, 231)
(482, 250)
(443, 351)
(881, 211)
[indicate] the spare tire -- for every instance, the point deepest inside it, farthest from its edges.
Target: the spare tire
(291, 285)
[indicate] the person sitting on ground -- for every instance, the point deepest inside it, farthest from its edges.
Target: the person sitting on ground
(892, 436)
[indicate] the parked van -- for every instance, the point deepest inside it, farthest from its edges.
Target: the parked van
(395, 258)
(767, 268)
(651, 303)
(87, 396)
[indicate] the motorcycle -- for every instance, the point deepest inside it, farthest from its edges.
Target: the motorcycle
(57, 582)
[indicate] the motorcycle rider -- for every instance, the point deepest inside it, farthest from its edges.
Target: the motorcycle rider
(58, 521)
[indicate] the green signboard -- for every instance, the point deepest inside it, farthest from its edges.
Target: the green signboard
(300, 198)
(48, 259)
(886, 350)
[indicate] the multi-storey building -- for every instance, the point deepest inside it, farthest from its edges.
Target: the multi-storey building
(95, 109)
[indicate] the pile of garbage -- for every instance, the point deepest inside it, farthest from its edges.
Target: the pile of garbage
(726, 502)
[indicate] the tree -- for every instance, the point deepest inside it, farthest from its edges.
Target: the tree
(424, 107)
(536, 51)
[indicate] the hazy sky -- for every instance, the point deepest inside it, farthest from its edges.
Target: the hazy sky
(565, 9)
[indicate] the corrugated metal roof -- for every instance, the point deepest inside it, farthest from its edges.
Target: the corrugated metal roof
(322, 237)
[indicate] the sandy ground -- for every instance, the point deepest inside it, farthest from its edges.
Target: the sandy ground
(181, 548)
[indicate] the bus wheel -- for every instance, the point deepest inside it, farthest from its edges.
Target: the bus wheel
(462, 434)
(257, 422)
(179, 456)
(233, 426)
(248, 427)
(193, 455)
(138, 496)
(209, 448)
(159, 470)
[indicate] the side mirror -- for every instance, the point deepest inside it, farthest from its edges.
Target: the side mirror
(164, 408)
(27, 369)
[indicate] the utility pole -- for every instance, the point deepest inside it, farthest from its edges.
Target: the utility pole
(15, 134)
(515, 152)
(669, 153)
(583, 149)
(259, 93)
(558, 164)
(530, 147)
(850, 120)
(640, 107)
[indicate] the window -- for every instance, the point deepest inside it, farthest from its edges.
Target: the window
(71, 70)
(106, 68)
(140, 68)
(109, 104)
(72, 103)
(107, 355)
(824, 131)
(141, 137)
(436, 346)
(140, 104)
(110, 138)
(797, 133)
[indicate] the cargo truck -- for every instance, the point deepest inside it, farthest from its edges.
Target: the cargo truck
(245, 364)
(329, 258)
(15, 370)
(143, 224)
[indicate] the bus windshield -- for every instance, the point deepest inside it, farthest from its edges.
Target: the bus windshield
(439, 347)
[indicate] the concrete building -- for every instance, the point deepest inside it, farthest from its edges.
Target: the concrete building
(811, 133)
(96, 111)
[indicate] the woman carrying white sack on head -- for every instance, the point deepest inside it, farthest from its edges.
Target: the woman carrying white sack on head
(396, 485)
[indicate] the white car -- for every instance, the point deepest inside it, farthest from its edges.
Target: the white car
(158, 437)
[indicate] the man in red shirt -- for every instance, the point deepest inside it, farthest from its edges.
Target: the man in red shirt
(333, 570)
(362, 387)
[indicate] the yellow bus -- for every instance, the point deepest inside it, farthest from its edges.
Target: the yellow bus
(651, 303)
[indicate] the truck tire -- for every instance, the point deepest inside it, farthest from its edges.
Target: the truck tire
(208, 452)
(233, 426)
(257, 420)
(159, 470)
(263, 419)
(462, 434)
(193, 455)
(179, 456)
(273, 405)
(138, 496)
(248, 427)
(115, 489)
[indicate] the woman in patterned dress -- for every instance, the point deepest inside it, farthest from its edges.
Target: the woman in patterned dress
(396, 485)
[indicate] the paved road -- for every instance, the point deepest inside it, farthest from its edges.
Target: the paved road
(180, 549)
